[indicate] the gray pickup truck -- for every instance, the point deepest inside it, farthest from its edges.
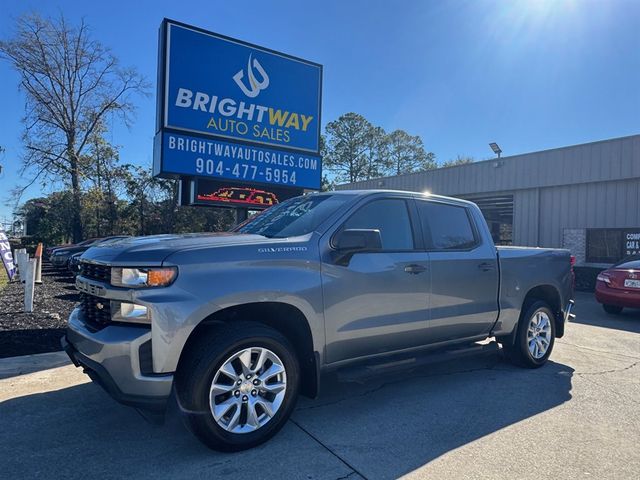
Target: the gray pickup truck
(237, 324)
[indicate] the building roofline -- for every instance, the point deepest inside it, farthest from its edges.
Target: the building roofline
(510, 157)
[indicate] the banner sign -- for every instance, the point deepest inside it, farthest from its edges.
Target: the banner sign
(229, 109)
(7, 256)
(201, 157)
(223, 193)
(631, 242)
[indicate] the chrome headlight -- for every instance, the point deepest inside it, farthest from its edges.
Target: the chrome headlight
(143, 277)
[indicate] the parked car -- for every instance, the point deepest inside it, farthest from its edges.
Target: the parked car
(619, 286)
(238, 323)
(74, 263)
(60, 257)
(49, 250)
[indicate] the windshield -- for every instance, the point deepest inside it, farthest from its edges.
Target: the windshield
(298, 216)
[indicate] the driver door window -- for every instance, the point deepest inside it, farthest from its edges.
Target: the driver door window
(391, 217)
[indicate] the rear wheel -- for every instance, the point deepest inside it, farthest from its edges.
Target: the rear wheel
(535, 336)
(238, 385)
(612, 309)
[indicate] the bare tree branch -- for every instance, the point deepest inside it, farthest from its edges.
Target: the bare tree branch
(72, 83)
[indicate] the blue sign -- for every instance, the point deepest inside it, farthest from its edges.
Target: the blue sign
(225, 88)
(188, 155)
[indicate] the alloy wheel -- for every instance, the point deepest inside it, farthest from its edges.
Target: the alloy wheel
(539, 334)
(248, 390)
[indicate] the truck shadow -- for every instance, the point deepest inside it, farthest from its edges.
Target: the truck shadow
(383, 427)
(391, 426)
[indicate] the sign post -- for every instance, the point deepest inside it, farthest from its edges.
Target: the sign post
(238, 114)
(22, 257)
(29, 285)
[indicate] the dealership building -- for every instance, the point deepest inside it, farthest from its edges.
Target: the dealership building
(585, 197)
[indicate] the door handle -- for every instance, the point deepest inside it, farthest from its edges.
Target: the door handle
(486, 266)
(414, 269)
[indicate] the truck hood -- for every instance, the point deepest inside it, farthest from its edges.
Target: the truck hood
(153, 249)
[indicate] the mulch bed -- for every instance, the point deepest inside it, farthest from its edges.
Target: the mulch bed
(40, 331)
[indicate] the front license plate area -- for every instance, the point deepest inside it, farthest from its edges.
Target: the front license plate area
(628, 283)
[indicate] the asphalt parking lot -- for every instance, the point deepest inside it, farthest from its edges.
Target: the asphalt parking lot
(577, 417)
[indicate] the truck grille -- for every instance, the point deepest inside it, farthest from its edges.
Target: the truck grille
(96, 311)
(95, 271)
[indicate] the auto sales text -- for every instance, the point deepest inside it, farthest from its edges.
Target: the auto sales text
(270, 124)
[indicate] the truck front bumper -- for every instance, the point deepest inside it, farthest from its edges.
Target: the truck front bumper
(111, 357)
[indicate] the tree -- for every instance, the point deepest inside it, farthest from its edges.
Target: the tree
(459, 160)
(72, 83)
(48, 219)
(142, 188)
(377, 148)
(153, 208)
(348, 139)
(406, 154)
(106, 177)
(327, 185)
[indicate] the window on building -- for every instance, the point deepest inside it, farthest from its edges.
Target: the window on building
(446, 227)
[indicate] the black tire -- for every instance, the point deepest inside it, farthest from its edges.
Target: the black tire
(518, 352)
(612, 309)
(199, 366)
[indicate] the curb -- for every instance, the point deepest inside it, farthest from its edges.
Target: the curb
(14, 366)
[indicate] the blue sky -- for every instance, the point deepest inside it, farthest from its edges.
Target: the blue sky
(530, 74)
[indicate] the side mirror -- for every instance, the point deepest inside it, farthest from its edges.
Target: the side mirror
(357, 240)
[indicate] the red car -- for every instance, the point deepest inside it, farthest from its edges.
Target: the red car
(619, 286)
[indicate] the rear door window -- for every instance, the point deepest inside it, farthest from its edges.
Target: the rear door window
(446, 227)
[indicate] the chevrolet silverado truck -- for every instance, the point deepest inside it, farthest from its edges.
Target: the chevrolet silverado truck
(237, 324)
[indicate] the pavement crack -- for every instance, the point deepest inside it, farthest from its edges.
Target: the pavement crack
(330, 450)
(613, 390)
(604, 372)
(603, 352)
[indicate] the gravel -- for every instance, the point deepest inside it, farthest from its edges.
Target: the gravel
(40, 331)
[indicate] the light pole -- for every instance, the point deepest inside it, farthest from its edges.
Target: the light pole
(496, 149)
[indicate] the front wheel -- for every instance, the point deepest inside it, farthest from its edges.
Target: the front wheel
(237, 385)
(612, 309)
(535, 336)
